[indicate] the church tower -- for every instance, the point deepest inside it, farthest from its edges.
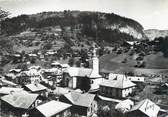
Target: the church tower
(95, 67)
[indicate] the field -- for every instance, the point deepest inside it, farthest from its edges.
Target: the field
(155, 64)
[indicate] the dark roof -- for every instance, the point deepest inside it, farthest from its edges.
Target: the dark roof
(80, 99)
(20, 100)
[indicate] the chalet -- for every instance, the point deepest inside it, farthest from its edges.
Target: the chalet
(10, 90)
(82, 103)
(32, 74)
(55, 64)
(52, 109)
(15, 71)
(135, 79)
(124, 106)
(34, 67)
(18, 104)
(4, 82)
(120, 87)
(73, 77)
(144, 108)
(36, 88)
(31, 55)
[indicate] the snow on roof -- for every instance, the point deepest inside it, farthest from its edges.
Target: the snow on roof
(52, 108)
(80, 99)
(147, 107)
(35, 87)
(20, 100)
(121, 83)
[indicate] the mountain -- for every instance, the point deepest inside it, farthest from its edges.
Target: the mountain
(109, 26)
(154, 33)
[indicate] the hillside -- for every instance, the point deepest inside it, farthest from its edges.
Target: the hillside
(154, 33)
(105, 23)
(155, 63)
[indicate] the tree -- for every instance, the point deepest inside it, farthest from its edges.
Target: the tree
(71, 61)
(85, 86)
(3, 15)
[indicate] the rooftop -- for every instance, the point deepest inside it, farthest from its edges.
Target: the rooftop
(120, 83)
(80, 99)
(20, 100)
(53, 107)
(35, 87)
(147, 107)
(82, 72)
(77, 71)
(9, 90)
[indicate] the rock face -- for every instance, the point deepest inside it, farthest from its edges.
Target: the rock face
(128, 30)
(154, 33)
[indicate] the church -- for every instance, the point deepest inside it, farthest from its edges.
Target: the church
(77, 77)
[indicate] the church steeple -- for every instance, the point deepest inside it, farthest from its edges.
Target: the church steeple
(95, 67)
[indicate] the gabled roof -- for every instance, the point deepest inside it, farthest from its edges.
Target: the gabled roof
(77, 71)
(132, 78)
(9, 90)
(35, 87)
(53, 107)
(120, 83)
(20, 100)
(147, 107)
(6, 82)
(80, 99)
(15, 70)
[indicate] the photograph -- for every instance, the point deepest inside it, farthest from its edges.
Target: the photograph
(83, 58)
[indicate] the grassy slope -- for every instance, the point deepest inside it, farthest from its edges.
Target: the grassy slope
(155, 63)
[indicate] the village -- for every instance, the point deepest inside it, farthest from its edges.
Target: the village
(66, 90)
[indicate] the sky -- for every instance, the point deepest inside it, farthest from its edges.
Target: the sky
(152, 14)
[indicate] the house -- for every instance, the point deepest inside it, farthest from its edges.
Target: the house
(33, 75)
(55, 64)
(135, 79)
(10, 90)
(52, 109)
(82, 103)
(36, 88)
(15, 71)
(4, 82)
(18, 104)
(120, 87)
(74, 77)
(144, 108)
(124, 106)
